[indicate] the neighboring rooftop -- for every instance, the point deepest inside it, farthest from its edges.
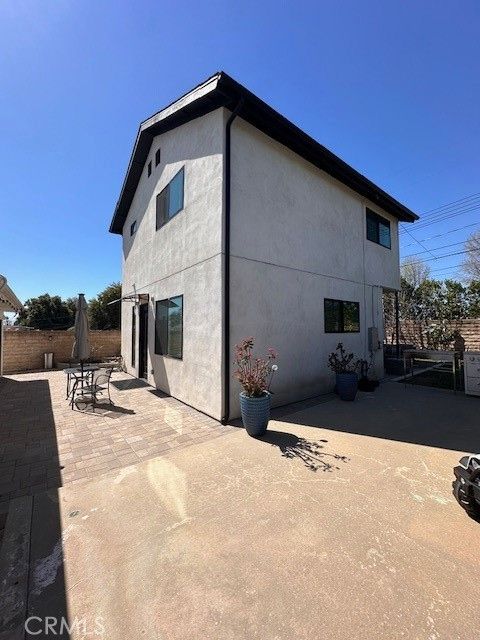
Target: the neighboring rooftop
(8, 300)
(220, 90)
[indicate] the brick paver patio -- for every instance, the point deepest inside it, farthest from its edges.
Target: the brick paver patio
(44, 444)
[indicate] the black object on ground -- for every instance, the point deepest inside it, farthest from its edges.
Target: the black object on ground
(466, 486)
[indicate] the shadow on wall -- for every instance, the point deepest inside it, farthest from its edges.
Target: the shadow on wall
(311, 453)
(31, 462)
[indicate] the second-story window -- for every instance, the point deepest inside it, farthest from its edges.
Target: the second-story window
(170, 199)
(149, 168)
(133, 227)
(157, 157)
(378, 229)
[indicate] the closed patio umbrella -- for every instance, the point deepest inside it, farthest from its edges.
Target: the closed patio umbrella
(81, 345)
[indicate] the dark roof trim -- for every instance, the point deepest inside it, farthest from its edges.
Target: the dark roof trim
(220, 90)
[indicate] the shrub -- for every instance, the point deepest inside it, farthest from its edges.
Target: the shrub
(254, 374)
(339, 361)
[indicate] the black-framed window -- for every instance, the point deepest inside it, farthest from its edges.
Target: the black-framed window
(134, 332)
(149, 169)
(133, 227)
(341, 316)
(378, 229)
(169, 327)
(170, 199)
(157, 157)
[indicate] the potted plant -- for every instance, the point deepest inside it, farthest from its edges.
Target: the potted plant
(255, 376)
(365, 383)
(344, 367)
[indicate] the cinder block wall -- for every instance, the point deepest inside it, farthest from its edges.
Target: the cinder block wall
(23, 350)
(470, 332)
(410, 333)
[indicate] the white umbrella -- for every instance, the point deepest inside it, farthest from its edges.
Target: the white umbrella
(81, 345)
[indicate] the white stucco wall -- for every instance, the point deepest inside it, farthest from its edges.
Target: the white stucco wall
(299, 236)
(181, 258)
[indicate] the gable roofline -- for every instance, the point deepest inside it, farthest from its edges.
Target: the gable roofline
(220, 90)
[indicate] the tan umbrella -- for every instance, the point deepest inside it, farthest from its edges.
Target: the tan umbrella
(81, 345)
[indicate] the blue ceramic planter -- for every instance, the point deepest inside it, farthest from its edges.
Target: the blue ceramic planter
(347, 385)
(255, 413)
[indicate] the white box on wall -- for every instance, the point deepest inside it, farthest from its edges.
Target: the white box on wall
(471, 361)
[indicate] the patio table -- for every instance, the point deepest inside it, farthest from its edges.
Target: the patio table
(431, 355)
(75, 374)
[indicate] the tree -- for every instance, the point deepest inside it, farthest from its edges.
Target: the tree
(454, 300)
(103, 315)
(389, 315)
(431, 310)
(473, 299)
(471, 261)
(46, 312)
(414, 271)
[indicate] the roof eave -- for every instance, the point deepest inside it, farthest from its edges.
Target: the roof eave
(222, 90)
(195, 103)
(259, 113)
(8, 298)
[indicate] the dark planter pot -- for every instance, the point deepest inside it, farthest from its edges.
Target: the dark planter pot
(255, 413)
(365, 384)
(347, 385)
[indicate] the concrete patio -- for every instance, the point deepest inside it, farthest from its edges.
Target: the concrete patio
(340, 522)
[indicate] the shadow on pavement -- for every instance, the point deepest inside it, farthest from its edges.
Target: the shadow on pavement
(103, 408)
(32, 580)
(311, 453)
(415, 415)
(129, 383)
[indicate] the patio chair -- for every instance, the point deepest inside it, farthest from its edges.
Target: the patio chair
(99, 383)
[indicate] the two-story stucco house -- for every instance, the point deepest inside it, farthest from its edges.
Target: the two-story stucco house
(236, 223)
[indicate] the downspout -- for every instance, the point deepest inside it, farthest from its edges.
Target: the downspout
(226, 272)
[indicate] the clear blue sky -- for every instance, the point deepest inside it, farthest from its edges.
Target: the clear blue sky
(391, 87)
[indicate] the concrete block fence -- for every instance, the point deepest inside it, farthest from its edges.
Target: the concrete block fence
(410, 333)
(24, 350)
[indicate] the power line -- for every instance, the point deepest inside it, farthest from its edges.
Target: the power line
(445, 246)
(442, 213)
(450, 204)
(447, 210)
(456, 266)
(446, 233)
(458, 207)
(447, 216)
(418, 242)
(448, 255)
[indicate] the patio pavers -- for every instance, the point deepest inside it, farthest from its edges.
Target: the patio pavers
(44, 444)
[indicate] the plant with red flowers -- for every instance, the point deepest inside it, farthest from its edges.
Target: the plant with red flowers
(254, 374)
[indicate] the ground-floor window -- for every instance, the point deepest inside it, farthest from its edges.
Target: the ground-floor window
(341, 316)
(169, 327)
